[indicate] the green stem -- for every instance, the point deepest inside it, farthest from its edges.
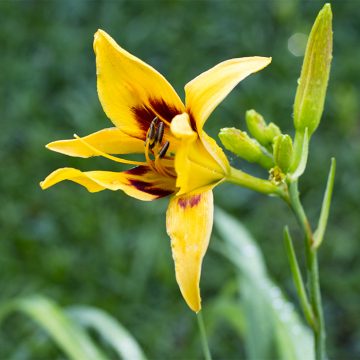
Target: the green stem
(204, 342)
(312, 272)
(241, 178)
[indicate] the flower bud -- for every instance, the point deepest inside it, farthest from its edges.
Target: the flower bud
(311, 90)
(239, 143)
(283, 152)
(258, 128)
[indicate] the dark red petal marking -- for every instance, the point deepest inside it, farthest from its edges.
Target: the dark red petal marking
(192, 121)
(165, 111)
(144, 115)
(139, 170)
(148, 188)
(189, 201)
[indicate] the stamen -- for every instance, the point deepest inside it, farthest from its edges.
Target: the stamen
(164, 149)
(155, 120)
(110, 157)
(147, 157)
(160, 133)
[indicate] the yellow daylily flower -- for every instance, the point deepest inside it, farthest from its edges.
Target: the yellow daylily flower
(180, 159)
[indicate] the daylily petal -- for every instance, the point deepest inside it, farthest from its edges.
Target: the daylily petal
(189, 220)
(206, 91)
(140, 182)
(197, 155)
(131, 92)
(215, 150)
(109, 141)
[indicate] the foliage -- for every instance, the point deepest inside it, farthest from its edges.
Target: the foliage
(91, 250)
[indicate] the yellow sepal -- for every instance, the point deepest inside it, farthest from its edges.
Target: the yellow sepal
(140, 182)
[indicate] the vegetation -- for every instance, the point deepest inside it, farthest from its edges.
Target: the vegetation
(111, 252)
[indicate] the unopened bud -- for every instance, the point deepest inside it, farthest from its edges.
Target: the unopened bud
(258, 128)
(239, 143)
(311, 91)
(283, 152)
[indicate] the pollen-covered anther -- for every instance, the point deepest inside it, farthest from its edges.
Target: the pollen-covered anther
(164, 149)
(152, 133)
(159, 133)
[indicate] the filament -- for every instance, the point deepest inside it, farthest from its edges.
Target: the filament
(105, 155)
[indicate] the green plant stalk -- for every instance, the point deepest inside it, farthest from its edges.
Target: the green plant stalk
(204, 342)
(241, 178)
(312, 272)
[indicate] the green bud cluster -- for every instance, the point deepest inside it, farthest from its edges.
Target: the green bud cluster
(262, 132)
(283, 152)
(239, 143)
(284, 157)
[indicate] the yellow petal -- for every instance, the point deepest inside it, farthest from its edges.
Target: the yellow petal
(206, 91)
(109, 141)
(200, 163)
(196, 169)
(140, 182)
(189, 220)
(131, 92)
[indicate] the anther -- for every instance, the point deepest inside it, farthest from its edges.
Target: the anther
(151, 132)
(151, 135)
(160, 133)
(164, 149)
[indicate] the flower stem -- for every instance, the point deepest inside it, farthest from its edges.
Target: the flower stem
(204, 342)
(312, 272)
(241, 178)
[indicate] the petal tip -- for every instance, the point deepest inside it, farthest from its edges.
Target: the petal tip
(100, 34)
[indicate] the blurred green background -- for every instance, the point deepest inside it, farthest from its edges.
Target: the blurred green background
(111, 251)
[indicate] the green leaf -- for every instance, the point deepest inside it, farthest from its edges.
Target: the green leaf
(70, 337)
(297, 277)
(274, 329)
(325, 209)
(311, 91)
(110, 331)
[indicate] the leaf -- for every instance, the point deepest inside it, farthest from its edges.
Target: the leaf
(274, 329)
(325, 208)
(71, 338)
(109, 329)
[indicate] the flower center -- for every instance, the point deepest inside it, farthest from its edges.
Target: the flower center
(156, 149)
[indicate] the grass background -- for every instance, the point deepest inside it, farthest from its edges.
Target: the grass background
(111, 251)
